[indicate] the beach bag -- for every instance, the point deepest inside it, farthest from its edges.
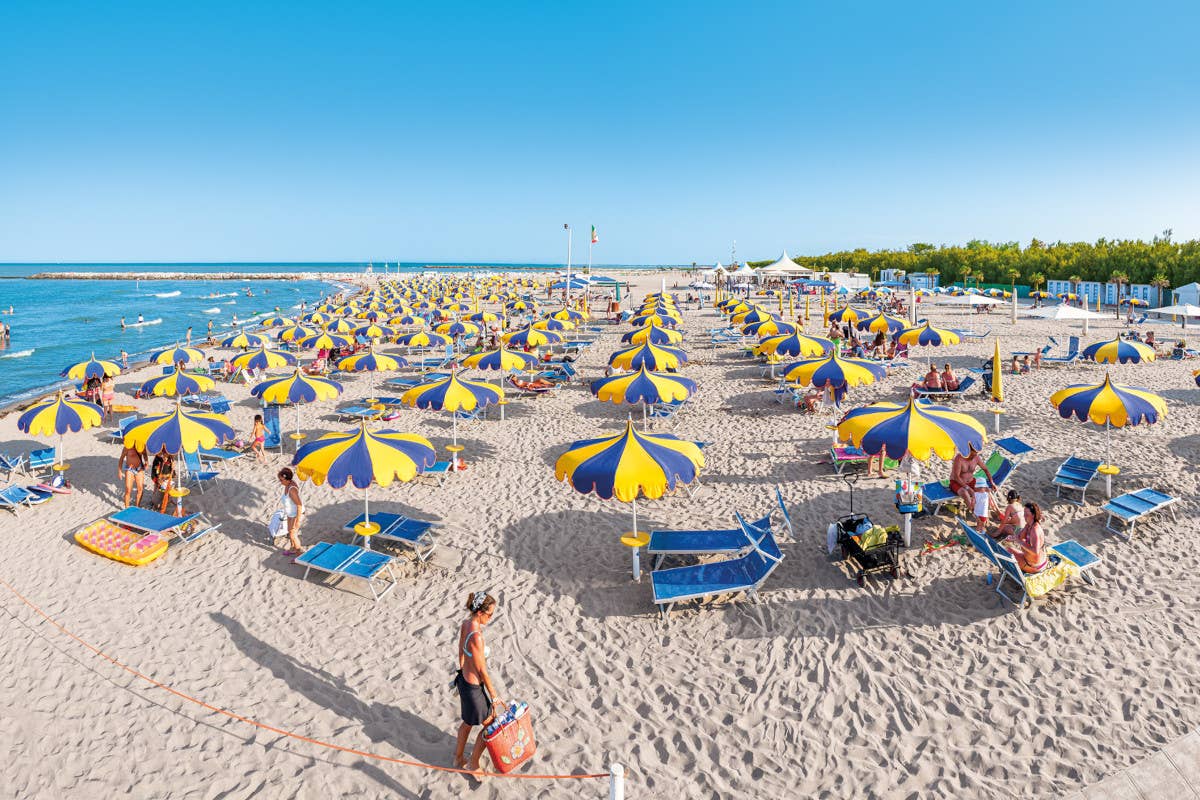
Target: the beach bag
(276, 524)
(509, 738)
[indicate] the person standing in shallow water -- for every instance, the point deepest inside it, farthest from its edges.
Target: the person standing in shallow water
(477, 697)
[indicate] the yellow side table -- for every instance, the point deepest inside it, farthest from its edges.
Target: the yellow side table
(1108, 470)
(366, 530)
(502, 404)
(179, 493)
(297, 437)
(61, 467)
(996, 412)
(455, 460)
(635, 541)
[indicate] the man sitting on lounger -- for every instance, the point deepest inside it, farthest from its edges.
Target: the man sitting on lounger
(962, 474)
(933, 380)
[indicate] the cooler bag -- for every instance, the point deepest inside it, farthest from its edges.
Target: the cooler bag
(509, 739)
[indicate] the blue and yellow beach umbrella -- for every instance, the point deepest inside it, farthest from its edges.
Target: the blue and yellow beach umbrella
(294, 333)
(484, 316)
(501, 360)
(568, 315)
(173, 355)
(644, 387)
(263, 358)
(768, 327)
(848, 315)
(92, 368)
(370, 361)
(531, 337)
(406, 321)
(179, 430)
(916, 428)
(928, 335)
(324, 340)
(652, 356)
(553, 324)
(458, 328)
(652, 334)
(423, 339)
(452, 394)
(628, 465)
(296, 388)
(795, 345)
(755, 314)
(277, 322)
(836, 371)
(374, 331)
(241, 340)
(884, 323)
(58, 417)
(660, 319)
(1109, 404)
(341, 326)
(1119, 350)
(176, 384)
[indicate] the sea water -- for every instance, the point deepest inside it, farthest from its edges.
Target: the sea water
(56, 323)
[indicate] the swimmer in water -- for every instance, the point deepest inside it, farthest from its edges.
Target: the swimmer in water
(122, 323)
(140, 319)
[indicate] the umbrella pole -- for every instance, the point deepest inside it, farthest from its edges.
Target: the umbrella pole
(637, 551)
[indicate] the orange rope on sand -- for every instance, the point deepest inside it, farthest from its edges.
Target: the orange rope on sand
(280, 731)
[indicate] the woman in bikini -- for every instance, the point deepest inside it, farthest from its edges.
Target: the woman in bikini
(477, 696)
(1028, 546)
(108, 392)
(1012, 518)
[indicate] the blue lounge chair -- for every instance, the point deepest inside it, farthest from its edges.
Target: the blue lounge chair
(696, 581)
(203, 400)
(936, 494)
(347, 560)
(404, 383)
(273, 439)
(1015, 447)
(12, 464)
(220, 454)
(414, 533)
(123, 424)
(41, 459)
(437, 473)
(357, 413)
(1070, 358)
(944, 394)
(562, 371)
(1132, 506)
(187, 529)
(13, 497)
(1076, 474)
(667, 410)
(787, 517)
(1010, 572)
(194, 471)
(722, 541)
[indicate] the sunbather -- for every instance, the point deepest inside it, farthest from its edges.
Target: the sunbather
(933, 381)
(1012, 518)
(962, 474)
(1028, 546)
(949, 381)
(162, 473)
(131, 468)
(258, 437)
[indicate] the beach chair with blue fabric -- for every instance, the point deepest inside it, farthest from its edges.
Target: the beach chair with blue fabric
(1131, 507)
(123, 424)
(1075, 474)
(732, 576)
(666, 411)
(1015, 448)
(1067, 560)
(705, 542)
(414, 533)
(12, 464)
(358, 413)
(13, 498)
(404, 383)
(41, 460)
(965, 386)
(195, 471)
(435, 474)
(219, 454)
(936, 494)
(203, 400)
(561, 371)
(1072, 354)
(350, 561)
(273, 439)
(186, 529)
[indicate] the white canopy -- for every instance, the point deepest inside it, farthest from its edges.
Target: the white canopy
(718, 267)
(1064, 311)
(784, 266)
(1183, 310)
(972, 300)
(744, 269)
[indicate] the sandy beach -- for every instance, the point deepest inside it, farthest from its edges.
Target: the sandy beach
(926, 686)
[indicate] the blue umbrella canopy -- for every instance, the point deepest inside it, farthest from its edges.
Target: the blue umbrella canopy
(86, 370)
(916, 428)
(629, 464)
(59, 416)
(656, 357)
(652, 334)
(297, 388)
(1109, 403)
(927, 335)
(643, 386)
(794, 345)
(179, 430)
(363, 457)
(176, 383)
(262, 358)
(173, 355)
(835, 370)
(243, 340)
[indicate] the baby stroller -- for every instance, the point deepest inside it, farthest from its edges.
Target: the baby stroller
(848, 532)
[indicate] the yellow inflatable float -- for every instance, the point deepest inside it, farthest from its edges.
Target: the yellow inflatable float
(121, 544)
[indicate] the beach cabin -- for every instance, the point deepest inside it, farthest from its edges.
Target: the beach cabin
(1188, 293)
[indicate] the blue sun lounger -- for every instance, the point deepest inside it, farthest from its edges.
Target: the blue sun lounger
(219, 454)
(12, 464)
(1015, 447)
(1132, 506)
(1010, 571)
(40, 459)
(187, 529)
(696, 581)
(13, 497)
(437, 473)
(722, 541)
(347, 560)
(1076, 474)
(964, 386)
(414, 533)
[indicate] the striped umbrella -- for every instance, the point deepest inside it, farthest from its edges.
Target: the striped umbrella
(927, 335)
(242, 340)
(277, 322)
(1039, 295)
(661, 320)
(768, 327)
(179, 430)
(531, 337)
(1109, 404)
(324, 341)
(177, 383)
(374, 331)
(458, 328)
(645, 387)
(60, 416)
(407, 320)
(848, 315)
(86, 370)
(553, 324)
(656, 357)
(501, 360)
(294, 333)
(652, 334)
(262, 358)
(340, 325)
(452, 394)
(296, 389)
(484, 316)
(915, 428)
(796, 345)
(1119, 350)
(173, 355)
(628, 465)
(423, 339)
(370, 361)
(363, 457)
(883, 322)
(569, 315)
(755, 314)
(837, 371)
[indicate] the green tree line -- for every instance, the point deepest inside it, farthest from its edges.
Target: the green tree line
(1160, 262)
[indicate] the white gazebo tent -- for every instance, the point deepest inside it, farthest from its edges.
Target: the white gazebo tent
(1064, 311)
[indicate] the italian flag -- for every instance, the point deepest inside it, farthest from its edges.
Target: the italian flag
(595, 238)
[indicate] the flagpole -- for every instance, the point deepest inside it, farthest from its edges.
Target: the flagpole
(568, 295)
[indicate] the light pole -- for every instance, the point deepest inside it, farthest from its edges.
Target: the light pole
(567, 228)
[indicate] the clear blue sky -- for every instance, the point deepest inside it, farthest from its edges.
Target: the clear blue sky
(471, 132)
